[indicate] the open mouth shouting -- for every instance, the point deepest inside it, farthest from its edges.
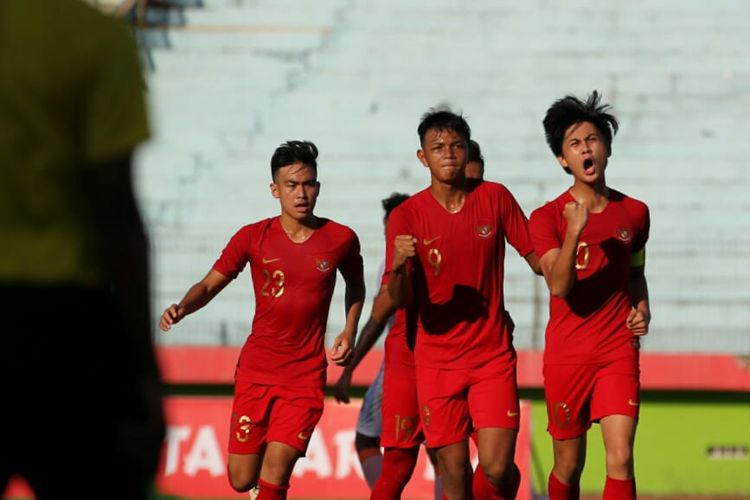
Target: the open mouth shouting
(588, 166)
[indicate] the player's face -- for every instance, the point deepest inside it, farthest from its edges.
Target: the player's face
(474, 170)
(297, 187)
(444, 153)
(584, 152)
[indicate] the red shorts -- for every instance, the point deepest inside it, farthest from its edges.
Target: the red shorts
(400, 409)
(265, 413)
(577, 395)
(452, 400)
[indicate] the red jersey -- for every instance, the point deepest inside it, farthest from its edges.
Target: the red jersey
(399, 345)
(588, 326)
(293, 284)
(458, 273)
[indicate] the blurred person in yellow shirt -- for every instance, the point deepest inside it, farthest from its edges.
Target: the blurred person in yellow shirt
(77, 366)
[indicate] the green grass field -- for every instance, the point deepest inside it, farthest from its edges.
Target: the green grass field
(676, 433)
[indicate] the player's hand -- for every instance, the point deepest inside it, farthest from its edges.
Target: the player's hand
(638, 321)
(341, 350)
(404, 247)
(577, 216)
(171, 316)
(341, 389)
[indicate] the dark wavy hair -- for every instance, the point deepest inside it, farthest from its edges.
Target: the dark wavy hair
(475, 153)
(570, 110)
(443, 119)
(292, 152)
(394, 200)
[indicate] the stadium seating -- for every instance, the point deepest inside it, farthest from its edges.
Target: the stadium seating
(239, 77)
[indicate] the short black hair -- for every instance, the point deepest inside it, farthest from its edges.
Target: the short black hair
(292, 152)
(475, 153)
(394, 200)
(570, 110)
(443, 118)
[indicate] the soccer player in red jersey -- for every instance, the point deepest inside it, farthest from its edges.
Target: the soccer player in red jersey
(445, 255)
(591, 242)
(293, 261)
(388, 417)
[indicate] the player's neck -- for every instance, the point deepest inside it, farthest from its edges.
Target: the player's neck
(298, 230)
(592, 196)
(450, 196)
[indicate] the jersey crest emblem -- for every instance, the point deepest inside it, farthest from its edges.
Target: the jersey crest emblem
(624, 234)
(484, 231)
(322, 265)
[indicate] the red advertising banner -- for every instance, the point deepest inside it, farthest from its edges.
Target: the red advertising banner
(194, 457)
(194, 462)
(670, 371)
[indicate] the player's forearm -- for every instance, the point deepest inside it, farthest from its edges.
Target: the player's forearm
(533, 262)
(638, 290)
(382, 307)
(196, 297)
(563, 275)
(399, 288)
(354, 299)
(367, 338)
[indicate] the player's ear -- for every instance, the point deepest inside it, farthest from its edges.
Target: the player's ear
(564, 164)
(421, 158)
(274, 189)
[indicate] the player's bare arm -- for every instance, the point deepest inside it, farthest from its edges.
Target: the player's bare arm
(399, 285)
(343, 384)
(382, 309)
(367, 337)
(558, 265)
(196, 297)
(533, 261)
(354, 299)
(640, 312)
